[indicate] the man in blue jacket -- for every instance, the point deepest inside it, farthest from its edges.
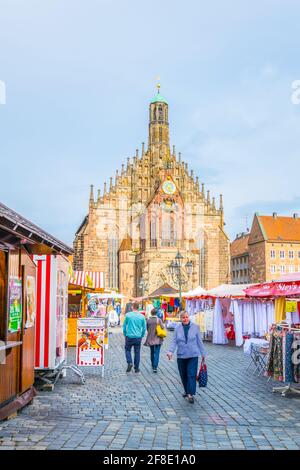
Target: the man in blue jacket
(134, 328)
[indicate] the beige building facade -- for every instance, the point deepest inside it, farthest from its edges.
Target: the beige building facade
(239, 253)
(273, 247)
(153, 208)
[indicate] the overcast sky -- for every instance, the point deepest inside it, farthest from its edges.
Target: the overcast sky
(79, 75)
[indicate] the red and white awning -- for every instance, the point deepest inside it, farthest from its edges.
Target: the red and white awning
(92, 279)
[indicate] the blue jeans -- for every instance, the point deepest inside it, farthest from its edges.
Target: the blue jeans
(188, 369)
(154, 354)
(136, 344)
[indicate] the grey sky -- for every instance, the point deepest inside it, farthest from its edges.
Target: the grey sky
(79, 76)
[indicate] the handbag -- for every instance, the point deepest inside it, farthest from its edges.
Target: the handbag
(202, 374)
(160, 332)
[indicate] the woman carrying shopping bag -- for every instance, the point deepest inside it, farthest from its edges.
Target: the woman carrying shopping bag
(156, 332)
(187, 340)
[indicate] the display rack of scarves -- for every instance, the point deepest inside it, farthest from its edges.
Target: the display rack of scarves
(284, 350)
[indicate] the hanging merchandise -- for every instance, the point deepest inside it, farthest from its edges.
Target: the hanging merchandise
(284, 357)
(280, 309)
(170, 309)
(230, 332)
(219, 336)
(209, 319)
(202, 322)
(149, 307)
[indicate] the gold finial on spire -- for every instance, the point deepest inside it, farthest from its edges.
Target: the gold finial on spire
(158, 84)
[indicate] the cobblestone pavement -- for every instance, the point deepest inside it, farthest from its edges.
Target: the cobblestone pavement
(147, 411)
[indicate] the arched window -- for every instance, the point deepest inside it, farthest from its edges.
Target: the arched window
(153, 231)
(143, 231)
(113, 247)
(160, 114)
(168, 229)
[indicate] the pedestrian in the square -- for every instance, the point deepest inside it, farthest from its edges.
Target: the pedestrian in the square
(160, 314)
(187, 340)
(128, 307)
(153, 340)
(134, 329)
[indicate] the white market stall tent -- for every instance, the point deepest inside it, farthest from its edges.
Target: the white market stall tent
(235, 317)
(229, 290)
(198, 291)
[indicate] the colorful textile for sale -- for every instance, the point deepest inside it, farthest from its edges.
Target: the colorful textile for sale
(209, 319)
(219, 336)
(202, 322)
(284, 356)
(288, 366)
(280, 309)
(275, 359)
(296, 357)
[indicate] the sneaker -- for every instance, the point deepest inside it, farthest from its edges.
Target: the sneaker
(155, 371)
(191, 399)
(129, 367)
(184, 395)
(136, 370)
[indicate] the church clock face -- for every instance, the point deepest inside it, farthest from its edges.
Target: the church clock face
(169, 187)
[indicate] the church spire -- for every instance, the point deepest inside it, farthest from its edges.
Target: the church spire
(158, 143)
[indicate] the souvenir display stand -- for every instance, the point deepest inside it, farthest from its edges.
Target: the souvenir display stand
(166, 300)
(81, 283)
(93, 329)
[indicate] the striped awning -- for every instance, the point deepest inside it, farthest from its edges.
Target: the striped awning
(92, 279)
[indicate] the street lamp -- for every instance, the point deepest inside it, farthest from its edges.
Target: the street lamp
(176, 267)
(143, 286)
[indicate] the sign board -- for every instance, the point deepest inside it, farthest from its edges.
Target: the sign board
(270, 289)
(30, 301)
(15, 304)
(291, 306)
(90, 342)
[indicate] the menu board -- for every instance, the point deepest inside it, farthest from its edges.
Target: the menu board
(90, 342)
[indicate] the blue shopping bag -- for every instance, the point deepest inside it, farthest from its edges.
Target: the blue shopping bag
(202, 374)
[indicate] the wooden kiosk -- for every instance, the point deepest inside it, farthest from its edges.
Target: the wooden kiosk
(20, 240)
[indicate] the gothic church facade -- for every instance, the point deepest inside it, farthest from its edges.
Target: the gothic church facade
(153, 209)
